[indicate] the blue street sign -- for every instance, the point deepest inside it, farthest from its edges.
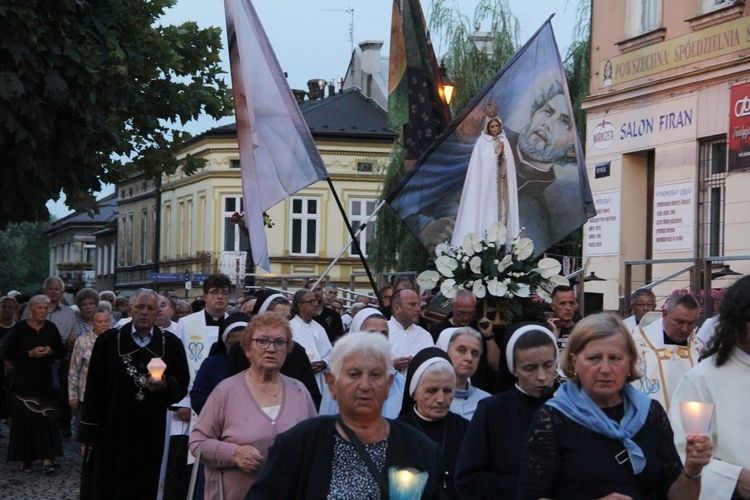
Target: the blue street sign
(198, 277)
(167, 276)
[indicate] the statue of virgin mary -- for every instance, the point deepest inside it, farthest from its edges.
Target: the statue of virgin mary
(490, 191)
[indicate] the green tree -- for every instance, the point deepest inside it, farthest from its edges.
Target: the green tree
(88, 87)
(25, 262)
(395, 248)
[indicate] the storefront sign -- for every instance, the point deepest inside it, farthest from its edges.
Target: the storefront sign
(603, 230)
(682, 51)
(643, 128)
(739, 127)
(674, 208)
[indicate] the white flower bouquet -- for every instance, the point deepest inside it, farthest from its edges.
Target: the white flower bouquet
(493, 266)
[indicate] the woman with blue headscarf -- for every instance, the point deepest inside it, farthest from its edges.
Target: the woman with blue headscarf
(599, 436)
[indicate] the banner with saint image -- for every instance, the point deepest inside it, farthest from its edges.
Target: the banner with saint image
(513, 154)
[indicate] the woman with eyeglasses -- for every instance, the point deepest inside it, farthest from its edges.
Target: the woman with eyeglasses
(245, 412)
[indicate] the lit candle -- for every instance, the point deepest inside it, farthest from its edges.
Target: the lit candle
(156, 368)
(406, 484)
(696, 417)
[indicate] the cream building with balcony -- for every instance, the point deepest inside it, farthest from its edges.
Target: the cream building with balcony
(197, 232)
(664, 79)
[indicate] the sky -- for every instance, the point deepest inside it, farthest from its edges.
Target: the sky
(312, 39)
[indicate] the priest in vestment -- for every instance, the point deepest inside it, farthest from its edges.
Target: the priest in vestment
(667, 347)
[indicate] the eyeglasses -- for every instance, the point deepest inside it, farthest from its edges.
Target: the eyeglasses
(311, 301)
(264, 344)
(219, 293)
(644, 305)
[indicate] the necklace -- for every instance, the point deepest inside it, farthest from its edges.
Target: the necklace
(139, 379)
(263, 387)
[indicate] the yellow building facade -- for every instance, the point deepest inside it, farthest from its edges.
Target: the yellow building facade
(197, 232)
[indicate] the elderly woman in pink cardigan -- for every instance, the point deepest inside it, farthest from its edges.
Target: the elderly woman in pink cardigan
(244, 413)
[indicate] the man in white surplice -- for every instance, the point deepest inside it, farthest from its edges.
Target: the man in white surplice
(310, 334)
(667, 347)
(405, 337)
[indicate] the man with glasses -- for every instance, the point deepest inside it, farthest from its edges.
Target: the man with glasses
(309, 334)
(123, 424)
(644, 301)
(198, 332)
(328, 319)
(463, 313)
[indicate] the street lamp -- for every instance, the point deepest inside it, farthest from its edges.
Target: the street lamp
(448, 85)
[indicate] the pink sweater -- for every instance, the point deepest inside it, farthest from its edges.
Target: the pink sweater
(232, 417)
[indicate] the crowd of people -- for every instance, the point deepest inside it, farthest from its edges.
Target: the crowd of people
(309, 395)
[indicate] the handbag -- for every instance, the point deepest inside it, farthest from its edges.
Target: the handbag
(194, 478)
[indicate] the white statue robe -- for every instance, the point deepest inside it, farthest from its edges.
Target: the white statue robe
(478, 207)
(662, 365)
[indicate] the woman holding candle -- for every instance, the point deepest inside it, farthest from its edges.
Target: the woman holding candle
(723, 378)
(489, 462)
(430, 385)
(350, 455)
(33, 346)
(245, 412)
(601, 437)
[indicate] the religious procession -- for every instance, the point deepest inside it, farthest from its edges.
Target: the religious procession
(181, 345)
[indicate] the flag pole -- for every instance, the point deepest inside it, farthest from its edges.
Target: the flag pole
(353, 241)
(359, 231)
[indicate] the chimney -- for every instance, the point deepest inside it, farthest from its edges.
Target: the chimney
(371, 56)
(315, 89)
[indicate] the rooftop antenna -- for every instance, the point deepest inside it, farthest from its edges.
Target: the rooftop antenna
(349, 11)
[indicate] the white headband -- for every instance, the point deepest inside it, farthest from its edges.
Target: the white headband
(517, 335)
(361, 317)
(233, 326)
(266, 303)
(420, 370)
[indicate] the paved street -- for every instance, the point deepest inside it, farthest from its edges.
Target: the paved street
(18, 485)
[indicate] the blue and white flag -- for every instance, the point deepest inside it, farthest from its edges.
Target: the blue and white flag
(540, 185)
(277, 153)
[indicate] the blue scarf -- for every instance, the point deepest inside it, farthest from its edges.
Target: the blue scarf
(575, 404)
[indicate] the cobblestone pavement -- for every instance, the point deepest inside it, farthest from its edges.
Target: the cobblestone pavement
(18, 485)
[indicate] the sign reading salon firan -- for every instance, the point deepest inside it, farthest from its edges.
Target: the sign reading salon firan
(644, 127)
(739, 127)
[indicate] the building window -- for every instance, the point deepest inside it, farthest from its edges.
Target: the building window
(712, 194)
(643, 16)
(234, 239)
(359, 211)
(364, 166)
(129, 240)
(711, 5)
(304, 225)
(89, 253)
(122, 239)
(144, 235)
(112, 251)
(234, 163)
